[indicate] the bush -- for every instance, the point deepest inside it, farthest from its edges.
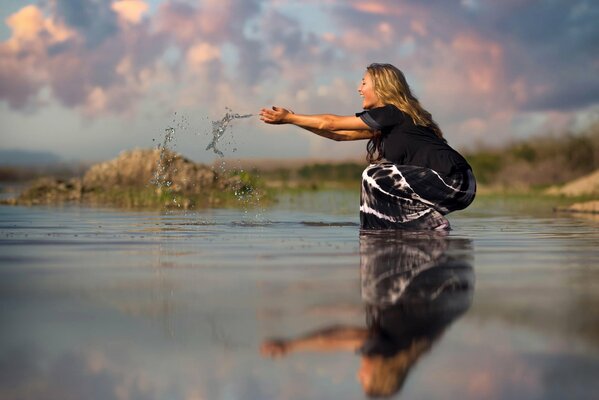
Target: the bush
(539, 161)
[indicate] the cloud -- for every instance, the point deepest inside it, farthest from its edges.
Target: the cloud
(21, 70)
(29, 23)
(95, 20)
(553, 47)
(68, 51)
(130, 10)
(201, 53)
(220, 59)
(478, 66)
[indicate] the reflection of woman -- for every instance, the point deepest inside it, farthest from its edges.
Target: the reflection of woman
(412, 291)
(415, 177)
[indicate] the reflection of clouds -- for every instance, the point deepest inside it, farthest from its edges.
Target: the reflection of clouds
(123, 373)
(492, 374)
(498, 362)
(26, 374)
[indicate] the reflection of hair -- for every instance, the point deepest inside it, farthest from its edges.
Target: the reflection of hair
(392, 358)
(389, 373)
(391, 87)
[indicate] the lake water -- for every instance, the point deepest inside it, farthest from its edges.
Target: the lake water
(272, 304)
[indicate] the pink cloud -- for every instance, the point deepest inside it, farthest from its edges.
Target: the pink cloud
(201, 53)
(21, 65)
(469, 70)
(44, 52)
(374, 7)
(131, 11)
(29, 23)
(183, 17)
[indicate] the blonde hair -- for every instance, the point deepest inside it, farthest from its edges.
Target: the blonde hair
(389, 373)
(391, 87)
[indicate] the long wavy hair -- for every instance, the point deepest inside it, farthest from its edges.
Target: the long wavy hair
(391, 87)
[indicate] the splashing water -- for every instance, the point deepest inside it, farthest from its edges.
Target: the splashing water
(164, 166)
(164, 162)
(219, 128)
(244, 189)
(241, 183)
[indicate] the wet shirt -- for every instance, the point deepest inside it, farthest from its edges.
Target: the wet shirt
(406, 143)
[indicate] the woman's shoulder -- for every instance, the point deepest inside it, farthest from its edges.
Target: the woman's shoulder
(386, 115)
(393, 112)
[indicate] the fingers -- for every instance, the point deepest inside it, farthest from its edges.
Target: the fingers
(273, 115)
(267, 112)
(266, 115)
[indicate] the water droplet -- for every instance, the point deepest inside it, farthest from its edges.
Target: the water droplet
(219, 128)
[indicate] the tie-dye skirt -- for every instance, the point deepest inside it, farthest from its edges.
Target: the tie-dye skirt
(410, 197)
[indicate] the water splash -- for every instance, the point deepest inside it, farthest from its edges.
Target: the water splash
(244, 183)
(220, 127)
(164, 166)
(160, 179)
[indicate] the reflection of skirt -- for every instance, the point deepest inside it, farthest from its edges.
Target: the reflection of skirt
(410, 197)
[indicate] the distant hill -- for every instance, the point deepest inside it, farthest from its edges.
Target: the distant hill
(14, 157)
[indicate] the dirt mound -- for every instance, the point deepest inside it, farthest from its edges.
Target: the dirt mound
(140, 178)
(161, 168)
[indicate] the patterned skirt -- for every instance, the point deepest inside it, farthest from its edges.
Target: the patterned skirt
(410, 197)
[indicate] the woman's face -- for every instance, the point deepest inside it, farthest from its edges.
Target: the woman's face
(366, 90)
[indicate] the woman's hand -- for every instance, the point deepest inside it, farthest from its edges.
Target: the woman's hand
(276, 115)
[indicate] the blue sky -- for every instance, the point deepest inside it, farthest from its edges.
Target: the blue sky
(88, 79)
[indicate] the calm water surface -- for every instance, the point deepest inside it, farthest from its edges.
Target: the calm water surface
(293, 303)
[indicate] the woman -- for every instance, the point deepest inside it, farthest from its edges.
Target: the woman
(415, 177)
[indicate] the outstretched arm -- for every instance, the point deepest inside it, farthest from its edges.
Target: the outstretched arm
(331, 126)
(343, 135)
(330, 339)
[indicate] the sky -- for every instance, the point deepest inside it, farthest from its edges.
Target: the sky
(88, 79)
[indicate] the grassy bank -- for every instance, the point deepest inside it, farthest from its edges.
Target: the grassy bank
(537, 162)
(242, 189)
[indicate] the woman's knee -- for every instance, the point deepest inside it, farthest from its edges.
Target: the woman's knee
(369, 171)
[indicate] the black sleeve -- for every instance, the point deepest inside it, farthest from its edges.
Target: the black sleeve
(382, 117)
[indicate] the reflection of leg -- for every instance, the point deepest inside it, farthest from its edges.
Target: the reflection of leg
(390, 198)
